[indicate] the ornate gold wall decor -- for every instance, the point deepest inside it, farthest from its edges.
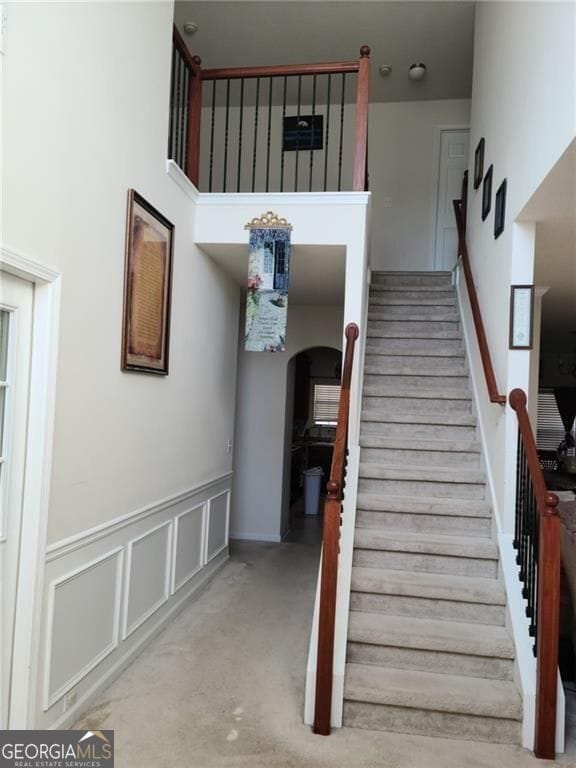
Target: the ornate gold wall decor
(269, 220)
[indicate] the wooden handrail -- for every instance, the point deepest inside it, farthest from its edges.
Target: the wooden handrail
(192, 62)
(494, 394)
(548, 587)
(360, 181)
(281, 70)
(330, 547)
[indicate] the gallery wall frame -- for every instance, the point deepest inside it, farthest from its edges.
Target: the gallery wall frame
(479, 163)
(500, 209)
(521, 317)
(487, 193)
(147, 288)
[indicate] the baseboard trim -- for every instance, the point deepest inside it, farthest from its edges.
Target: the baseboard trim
(76, 712)
(265, 537)
(84, 538)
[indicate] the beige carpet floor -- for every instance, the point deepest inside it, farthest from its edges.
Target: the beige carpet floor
(223, 685)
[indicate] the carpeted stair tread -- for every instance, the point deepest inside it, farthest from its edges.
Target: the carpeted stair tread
(433, 586)
(427, 690)
(416, 505)
(375, 441)
(394, 417)
(432, 544)
(430, 634)
(433, 475)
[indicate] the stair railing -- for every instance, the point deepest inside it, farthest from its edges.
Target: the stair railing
(460, 212)
(330, 547)
(537, 543)
(241, 145)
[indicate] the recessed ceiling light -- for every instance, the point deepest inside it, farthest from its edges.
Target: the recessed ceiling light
(417, 71)
(190, 28)
(385, 69)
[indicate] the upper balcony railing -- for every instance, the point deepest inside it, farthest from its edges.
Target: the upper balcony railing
(288, 128)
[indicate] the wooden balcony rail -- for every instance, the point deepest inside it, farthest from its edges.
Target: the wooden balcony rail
(537, 542)
(242, 146)
(330, 547)
(460, 212)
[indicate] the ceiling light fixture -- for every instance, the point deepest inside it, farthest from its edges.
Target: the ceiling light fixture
(385, 69)
(417, 71)
(190, 28)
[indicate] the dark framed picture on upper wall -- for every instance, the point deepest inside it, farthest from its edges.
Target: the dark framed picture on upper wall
(487, 193)
(500, 210)
(479, 163)
(147, 288)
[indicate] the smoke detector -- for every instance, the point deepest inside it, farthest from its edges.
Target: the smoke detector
(384, 69)
(190, 27)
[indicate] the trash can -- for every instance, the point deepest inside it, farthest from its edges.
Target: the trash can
(312, 483)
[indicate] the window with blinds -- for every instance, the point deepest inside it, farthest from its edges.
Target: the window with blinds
(326, 401)
(549, 430)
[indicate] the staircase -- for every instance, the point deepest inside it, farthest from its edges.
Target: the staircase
(428, 650)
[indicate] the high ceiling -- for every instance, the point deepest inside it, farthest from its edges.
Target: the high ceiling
(440, 34)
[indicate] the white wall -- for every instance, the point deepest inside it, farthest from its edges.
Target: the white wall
(85, 117)
(403, 148)
(261, 422)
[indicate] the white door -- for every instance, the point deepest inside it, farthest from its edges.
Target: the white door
(452, 164)
(16, 303)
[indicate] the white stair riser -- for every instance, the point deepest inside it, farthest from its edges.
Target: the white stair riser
(422, 488)
(425, 347)
(420, 458)
(427, 723)
(416, 406)
(426, 660)
(458, 383)
(426, 563)
(418, 431)
(414, 523)
(428, 608)
(407, 279)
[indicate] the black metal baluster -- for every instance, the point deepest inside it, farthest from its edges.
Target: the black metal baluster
(240, 122)
(518, 505)
(269, 133)
(282, 153)
(312, 134)
(226, 129)
(186, 127)
(212, 135)
(341, 131)
(327, 133)
(297, 133)
(254, 153)
(183, 104)
(171, 123)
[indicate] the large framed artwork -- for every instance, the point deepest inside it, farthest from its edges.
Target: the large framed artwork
(147, 288)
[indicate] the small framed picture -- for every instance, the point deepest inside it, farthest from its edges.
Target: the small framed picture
(500, 209)
(487, 193)
(521, 316)
(479, 163)
(147, 288)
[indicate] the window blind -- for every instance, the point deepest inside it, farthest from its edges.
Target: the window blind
(549, 430)
(326, 401)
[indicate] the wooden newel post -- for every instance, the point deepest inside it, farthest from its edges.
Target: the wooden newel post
(548, 629)
(361, 138)
(194, 121)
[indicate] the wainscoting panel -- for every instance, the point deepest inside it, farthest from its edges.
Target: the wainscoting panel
(189, 535)
(218, 512)
(83, 618)
(148, 569)
(110, 590)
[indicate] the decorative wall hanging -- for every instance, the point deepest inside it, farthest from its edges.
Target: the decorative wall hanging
(500, 209)
(147, 288)
(479, 163)
(487, 193)
(268, 274)
(521, 316)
